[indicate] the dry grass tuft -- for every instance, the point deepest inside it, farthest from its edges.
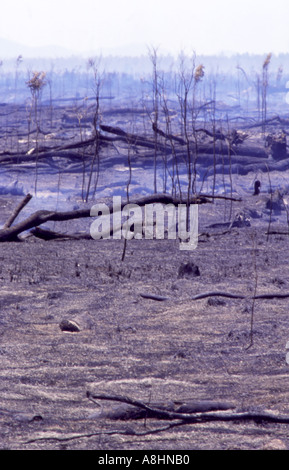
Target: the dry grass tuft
(267, 61)
(199, 73)
(37, 81)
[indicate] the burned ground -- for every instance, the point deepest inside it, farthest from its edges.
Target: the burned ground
(176, 350)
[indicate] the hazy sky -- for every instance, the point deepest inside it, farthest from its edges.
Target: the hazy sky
(205, 26)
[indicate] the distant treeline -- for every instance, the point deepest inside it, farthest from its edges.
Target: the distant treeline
(131, 76)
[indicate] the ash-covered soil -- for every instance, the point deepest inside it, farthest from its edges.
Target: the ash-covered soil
(176, 350)
(154, 351)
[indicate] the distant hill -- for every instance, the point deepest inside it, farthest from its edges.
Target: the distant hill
(11, 49)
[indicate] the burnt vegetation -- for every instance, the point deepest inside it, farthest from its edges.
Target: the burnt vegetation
(191, 344)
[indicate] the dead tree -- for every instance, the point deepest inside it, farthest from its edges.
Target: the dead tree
(42, 216)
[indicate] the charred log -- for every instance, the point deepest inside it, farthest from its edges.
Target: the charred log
(277, 145)
(42, 216)
(133, 139)
(168, 136)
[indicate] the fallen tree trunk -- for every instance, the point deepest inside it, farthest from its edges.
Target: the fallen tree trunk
(134, 139)
(195, 416)
(51, 235)
(43, 216)
(222, 145)
(183, 411)
(59, 150)
(174, 419)
(135, 409)
(168, 136)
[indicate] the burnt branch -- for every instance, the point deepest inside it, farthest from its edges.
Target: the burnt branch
(18, 209)
(194, 417)
(133, 139)
(42, 216)
(186, 412)
(276, 295)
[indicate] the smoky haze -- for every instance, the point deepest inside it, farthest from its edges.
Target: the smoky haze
(126, 28)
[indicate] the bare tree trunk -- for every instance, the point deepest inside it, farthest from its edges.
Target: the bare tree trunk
(18, 209)
(96, 125)
(155, 84)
